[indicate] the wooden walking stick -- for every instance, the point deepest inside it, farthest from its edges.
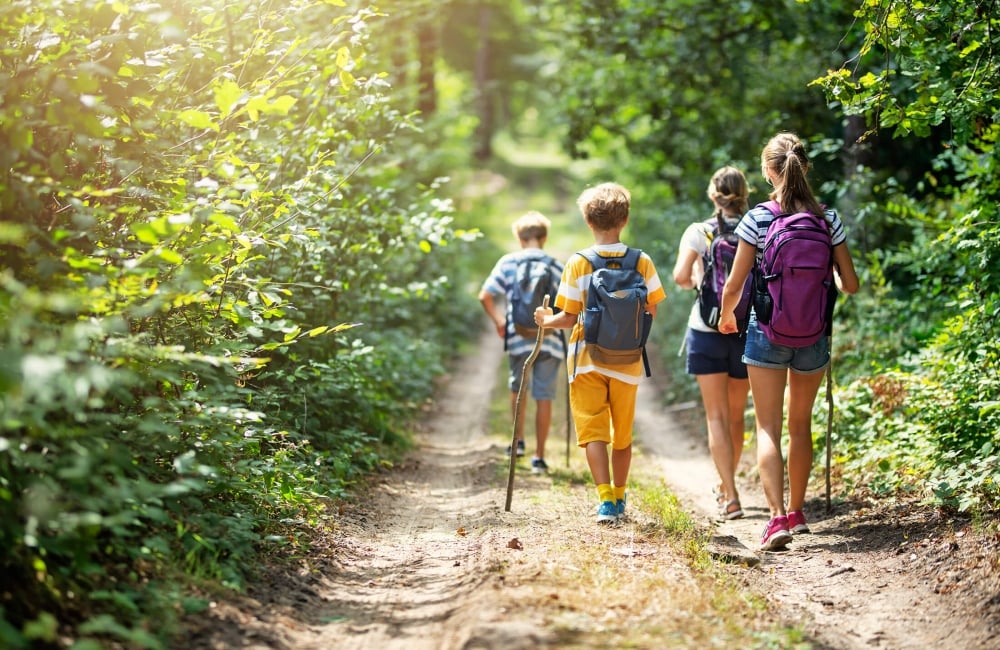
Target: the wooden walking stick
(829, 426)
(569, 422)
(519, 408)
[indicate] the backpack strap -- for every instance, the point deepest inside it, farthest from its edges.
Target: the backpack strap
(774, 208)
(596, 260)
(771, 206)
(630, 260)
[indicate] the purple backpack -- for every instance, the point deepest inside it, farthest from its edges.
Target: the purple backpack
(794, 291)
(717, 263)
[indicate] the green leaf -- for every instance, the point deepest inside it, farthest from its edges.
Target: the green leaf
(197, 119)
(227, 93)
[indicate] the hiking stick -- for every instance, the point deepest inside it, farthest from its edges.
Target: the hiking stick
(829, 426)
(519, 408)
(569, 422)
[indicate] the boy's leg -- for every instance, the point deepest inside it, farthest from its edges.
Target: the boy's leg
(588, 396)
(622, 397)
(597, 460)
(545, 376)
(543, 419)
(621, 461)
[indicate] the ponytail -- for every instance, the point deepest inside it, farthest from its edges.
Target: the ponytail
(786, 155)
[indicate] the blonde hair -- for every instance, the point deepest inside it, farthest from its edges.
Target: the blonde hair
(605, 206)
(785, 155)
(729, 191)
(531, 225)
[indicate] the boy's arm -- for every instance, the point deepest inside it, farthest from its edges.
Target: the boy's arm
(561, 321)
(489, 305)
(656, 293)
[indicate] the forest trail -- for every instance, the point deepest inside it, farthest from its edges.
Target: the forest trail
(428, 559)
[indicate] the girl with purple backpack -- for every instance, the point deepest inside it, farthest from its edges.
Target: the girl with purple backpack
(772, 366)
(713, 358)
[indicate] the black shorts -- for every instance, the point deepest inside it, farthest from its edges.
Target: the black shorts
(710, 353)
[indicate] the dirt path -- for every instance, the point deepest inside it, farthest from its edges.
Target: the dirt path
(429, 559)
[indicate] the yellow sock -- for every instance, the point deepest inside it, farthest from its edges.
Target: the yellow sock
(605, 492)
(619, 492)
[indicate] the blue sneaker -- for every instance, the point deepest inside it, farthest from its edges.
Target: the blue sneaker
(607, 512)
(621, 508)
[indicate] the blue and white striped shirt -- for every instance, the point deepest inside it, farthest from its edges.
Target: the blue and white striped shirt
(753, 227)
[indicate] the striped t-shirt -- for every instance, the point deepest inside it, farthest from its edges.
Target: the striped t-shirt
(753, 227)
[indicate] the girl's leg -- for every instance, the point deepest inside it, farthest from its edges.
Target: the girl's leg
(802, 391)
(715, 397)
(738, 390)
(768, 388)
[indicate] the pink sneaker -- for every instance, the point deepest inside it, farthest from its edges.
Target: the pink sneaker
(776, 535)
(797, 522)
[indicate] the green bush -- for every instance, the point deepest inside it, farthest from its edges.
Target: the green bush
(224, 299)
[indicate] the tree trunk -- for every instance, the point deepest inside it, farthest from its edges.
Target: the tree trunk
(427, 46)
(484, 132)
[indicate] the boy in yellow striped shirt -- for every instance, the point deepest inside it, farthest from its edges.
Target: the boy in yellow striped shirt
(602, 396)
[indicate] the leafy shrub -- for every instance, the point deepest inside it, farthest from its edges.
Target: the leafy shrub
(221, 303)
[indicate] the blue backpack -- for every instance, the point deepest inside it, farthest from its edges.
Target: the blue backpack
(536, 276)
(616, 323)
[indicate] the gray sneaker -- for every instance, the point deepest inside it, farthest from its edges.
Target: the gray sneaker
(539, 466)
(520, 449)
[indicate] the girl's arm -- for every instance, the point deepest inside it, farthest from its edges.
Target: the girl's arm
(731, 293)
(845, 276)
(684, 271)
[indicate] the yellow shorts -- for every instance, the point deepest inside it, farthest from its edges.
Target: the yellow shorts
(603, 409)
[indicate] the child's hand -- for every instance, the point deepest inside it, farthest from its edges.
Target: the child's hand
(541, 313)
(727, 323)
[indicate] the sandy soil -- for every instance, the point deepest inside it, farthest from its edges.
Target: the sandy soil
(418, 561)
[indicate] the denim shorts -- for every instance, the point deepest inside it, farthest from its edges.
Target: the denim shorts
(541, 378)
(710, 353)
(762, 353)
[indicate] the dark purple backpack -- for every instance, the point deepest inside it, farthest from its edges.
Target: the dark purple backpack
(718, 262)
(794, 291)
